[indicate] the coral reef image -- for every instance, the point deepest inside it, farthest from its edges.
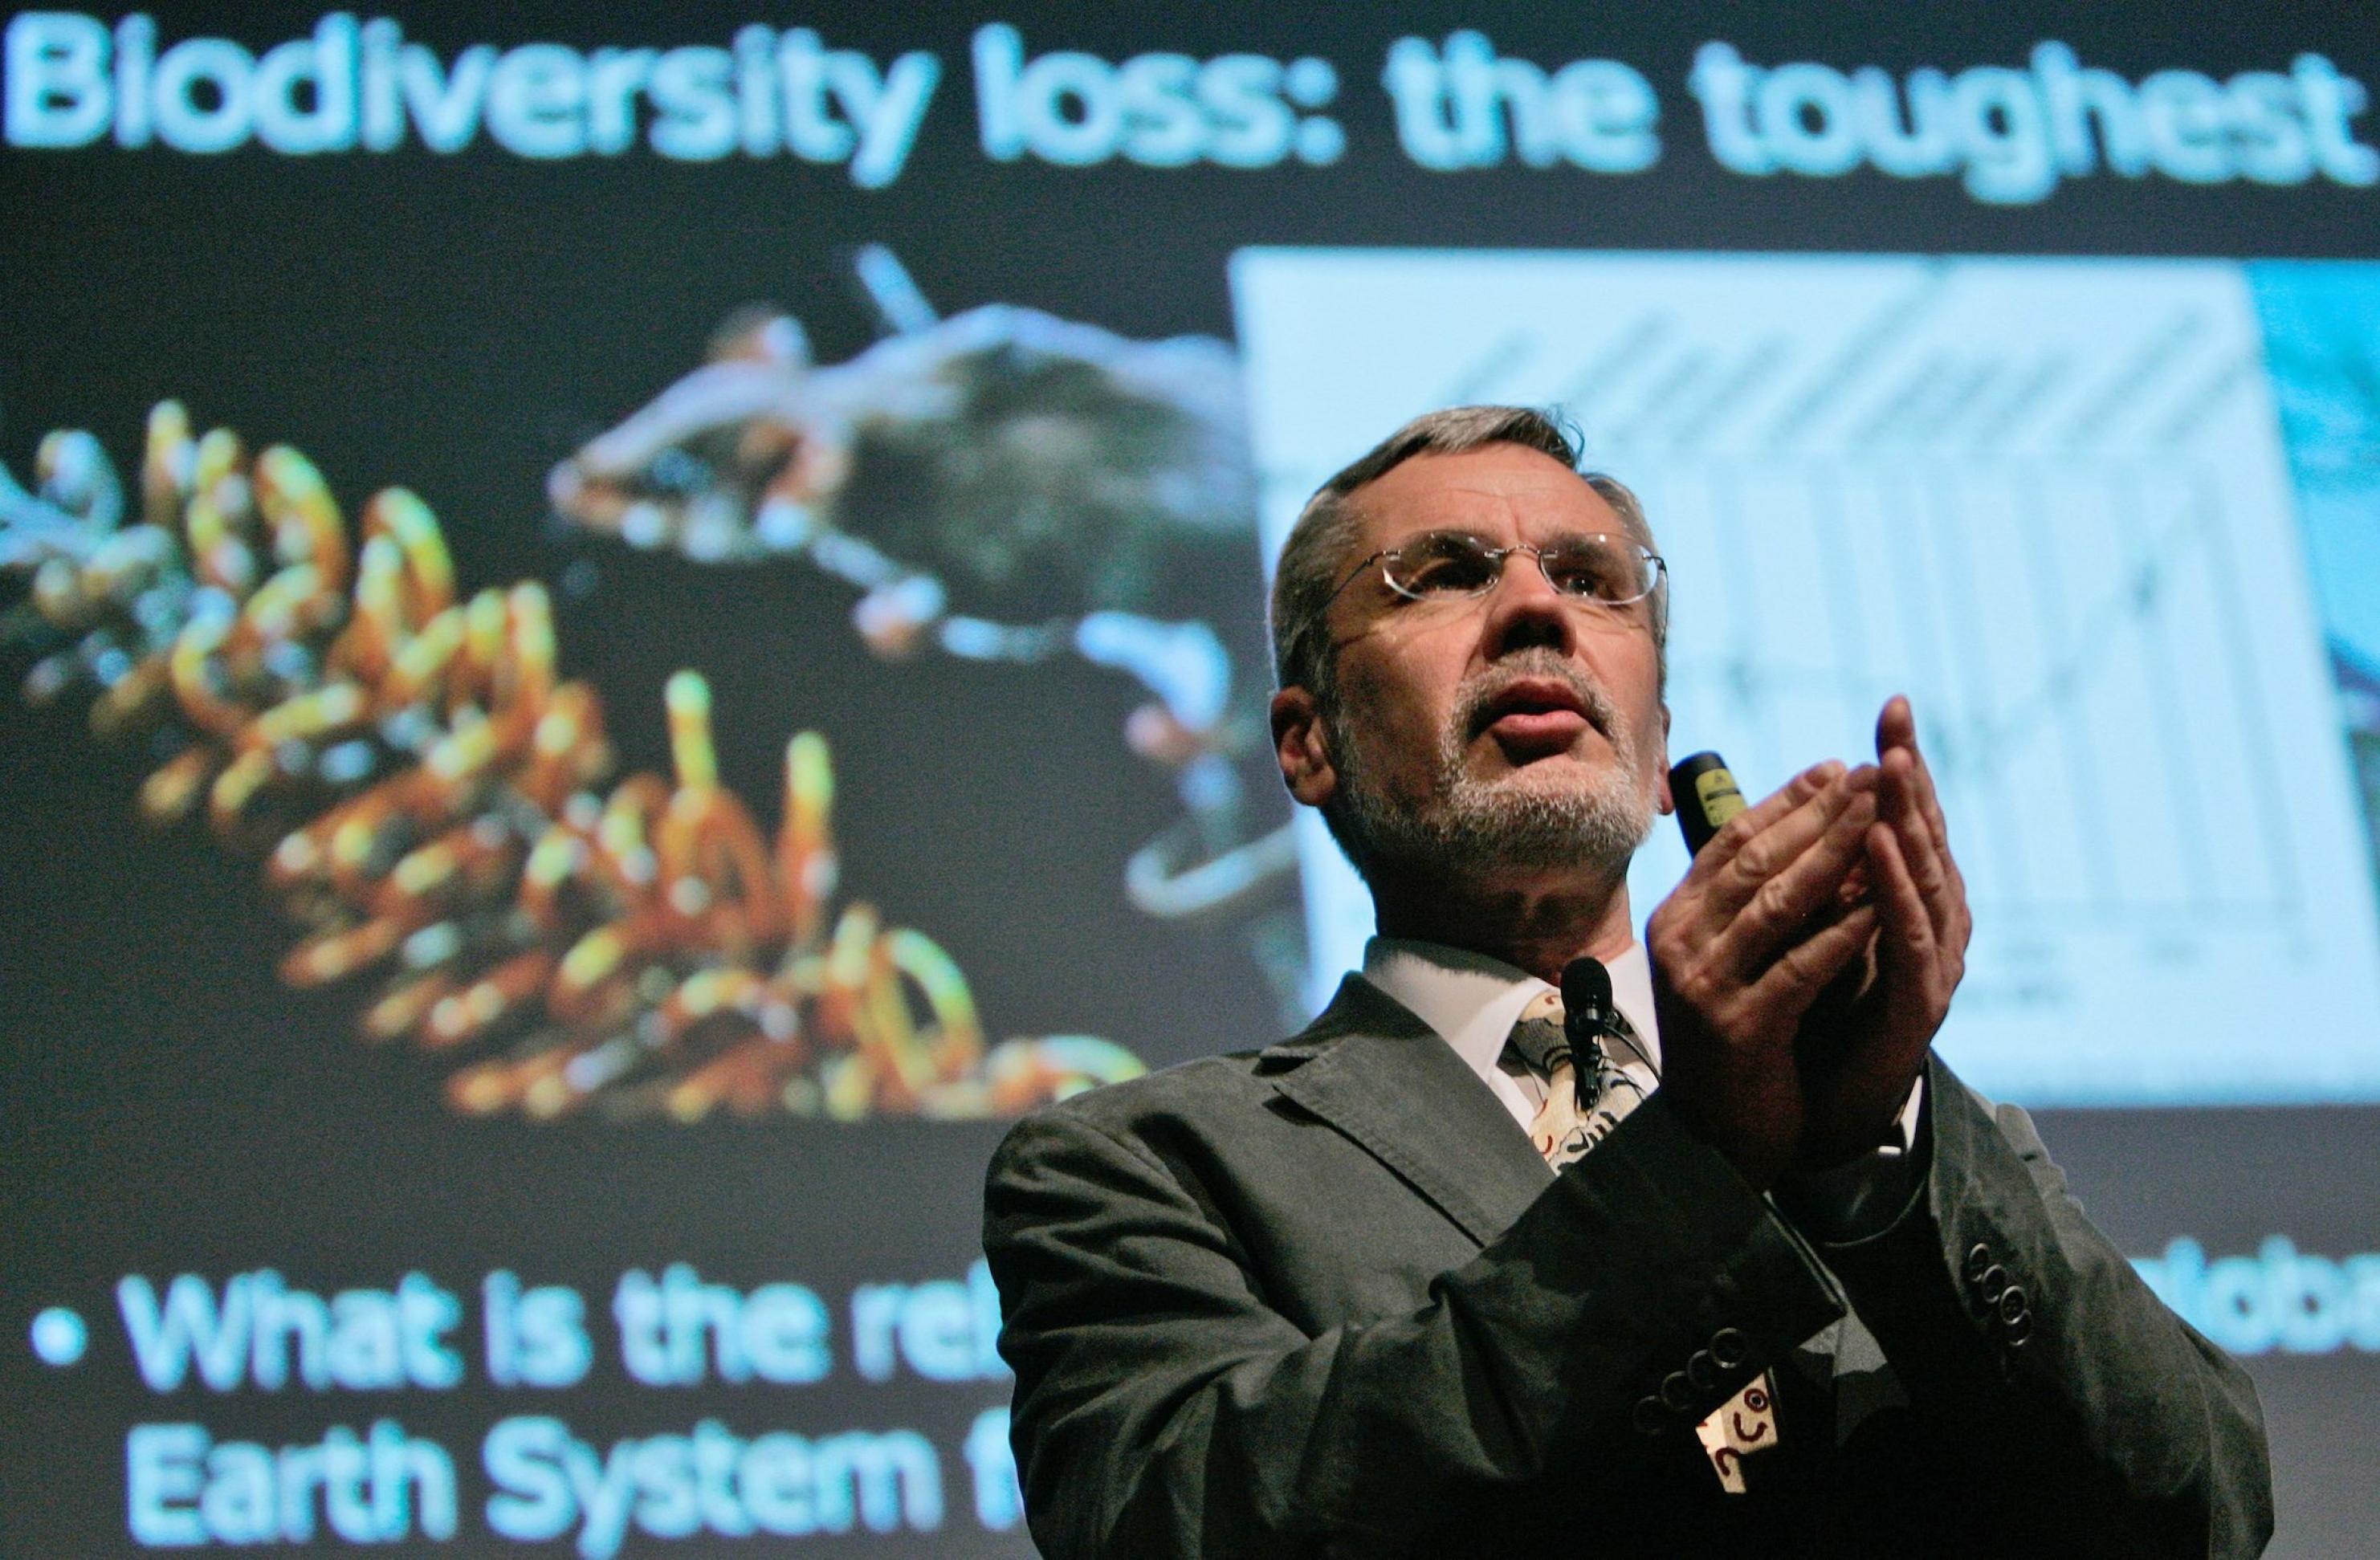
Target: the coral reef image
(434, 805)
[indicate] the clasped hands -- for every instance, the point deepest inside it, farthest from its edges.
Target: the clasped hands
(1802, 966)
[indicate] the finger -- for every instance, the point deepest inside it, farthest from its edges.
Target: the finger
(1916, 974)
(1905, 952)
(1779, 913)
(1780, 842)
(1733, 835)
(1930, 806)
(1798, 974)
(1896, 724)
(1921, 850)
(1897, 728)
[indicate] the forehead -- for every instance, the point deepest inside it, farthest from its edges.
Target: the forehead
(1507, 491)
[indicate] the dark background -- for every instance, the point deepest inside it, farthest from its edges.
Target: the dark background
(456, 324)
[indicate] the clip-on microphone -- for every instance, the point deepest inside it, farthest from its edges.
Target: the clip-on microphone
(1588, 1013)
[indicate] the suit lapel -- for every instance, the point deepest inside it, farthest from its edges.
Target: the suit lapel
(1387, 1081)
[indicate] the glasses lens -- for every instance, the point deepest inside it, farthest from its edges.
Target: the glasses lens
(1444, 563)
(1607, 569)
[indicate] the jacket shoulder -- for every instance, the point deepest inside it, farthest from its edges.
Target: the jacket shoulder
(1186, 1091)
(1213, 1100)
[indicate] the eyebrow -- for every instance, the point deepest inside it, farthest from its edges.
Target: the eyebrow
(1466, 532)
(1558, 540)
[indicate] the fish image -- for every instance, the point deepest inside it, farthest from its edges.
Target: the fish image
(1000, 485)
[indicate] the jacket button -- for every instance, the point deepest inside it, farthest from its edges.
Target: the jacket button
(1677, 1392)
(1650, 1418)
(1730, 1349)
(1979, 1257)
(2012, 1306)
(1992, 1284)
(2015, 1330)
(1702, 1370)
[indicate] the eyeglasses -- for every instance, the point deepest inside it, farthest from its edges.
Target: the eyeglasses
(1456, 565)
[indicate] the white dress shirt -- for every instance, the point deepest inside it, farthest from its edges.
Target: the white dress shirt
(1472, 1001)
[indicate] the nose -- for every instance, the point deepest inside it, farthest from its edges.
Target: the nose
(1526, 611)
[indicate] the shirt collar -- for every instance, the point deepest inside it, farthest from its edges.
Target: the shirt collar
(1472, 1000)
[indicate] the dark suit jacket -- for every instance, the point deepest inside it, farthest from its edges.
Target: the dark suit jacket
(1324, 1298)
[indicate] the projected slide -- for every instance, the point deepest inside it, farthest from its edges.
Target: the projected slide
(2050, 500)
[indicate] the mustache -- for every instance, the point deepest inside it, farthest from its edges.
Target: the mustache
(1476, 699)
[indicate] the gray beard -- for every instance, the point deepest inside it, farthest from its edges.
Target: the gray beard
(1470, 828)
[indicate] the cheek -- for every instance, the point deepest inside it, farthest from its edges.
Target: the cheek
(1637, 684)
(1653, 728)
(1388, 716)
(1652, 753)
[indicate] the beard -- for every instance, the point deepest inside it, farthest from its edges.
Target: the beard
(1465, 827)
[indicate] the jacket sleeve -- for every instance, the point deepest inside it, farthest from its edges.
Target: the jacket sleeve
(2028, 1344)
(1164, 1408)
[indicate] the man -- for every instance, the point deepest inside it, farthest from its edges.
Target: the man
(1753, 1274)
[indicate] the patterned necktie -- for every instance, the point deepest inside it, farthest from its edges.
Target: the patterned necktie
(1585, 1094)
(1576, 1115)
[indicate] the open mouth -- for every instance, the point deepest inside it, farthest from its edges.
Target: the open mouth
(1541, 713)
(1538, 716)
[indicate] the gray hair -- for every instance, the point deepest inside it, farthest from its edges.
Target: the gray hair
(1315, 554)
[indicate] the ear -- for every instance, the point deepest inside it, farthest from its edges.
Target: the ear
(1663, 803)
(1299, 744)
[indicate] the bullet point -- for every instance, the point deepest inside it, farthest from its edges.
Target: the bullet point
(59, 1336)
